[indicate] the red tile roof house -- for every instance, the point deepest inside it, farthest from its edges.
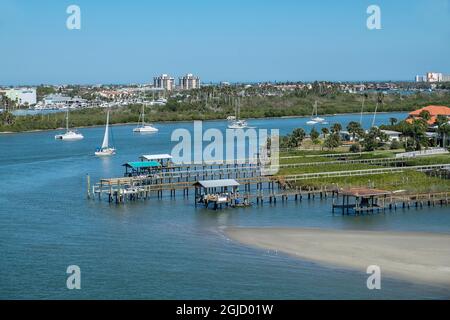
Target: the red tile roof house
(434, 112)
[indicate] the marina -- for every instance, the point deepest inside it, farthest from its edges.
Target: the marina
(152, 240)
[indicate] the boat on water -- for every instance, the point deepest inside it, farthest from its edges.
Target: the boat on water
(142, 126)
(315, 119)
(238, 124)
(105, 149)
(235, 122)
(70, 135)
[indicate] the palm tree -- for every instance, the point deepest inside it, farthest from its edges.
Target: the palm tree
(297, 137)
(416, 131)
(425, 115)
(325, 131)
(354, 128)
(393, 121)
(336, 128)
(443, 128)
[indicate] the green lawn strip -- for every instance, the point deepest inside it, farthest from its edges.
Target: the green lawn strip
(411, 181)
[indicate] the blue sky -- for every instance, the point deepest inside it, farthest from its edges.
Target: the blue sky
(233, 40)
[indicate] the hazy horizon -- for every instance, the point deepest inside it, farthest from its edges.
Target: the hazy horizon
(256, 41)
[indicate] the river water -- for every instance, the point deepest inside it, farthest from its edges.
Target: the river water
(164, 248)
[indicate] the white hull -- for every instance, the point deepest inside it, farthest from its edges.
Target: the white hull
(105, 152)
(146, 129)
(315, 119)
(69, 136)
(239, 124)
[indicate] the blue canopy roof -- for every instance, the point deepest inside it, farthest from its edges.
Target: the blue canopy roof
(142, 164)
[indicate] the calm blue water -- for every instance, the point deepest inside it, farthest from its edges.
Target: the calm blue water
(163, 248)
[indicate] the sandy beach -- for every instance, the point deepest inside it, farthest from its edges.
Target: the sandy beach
(414, 257)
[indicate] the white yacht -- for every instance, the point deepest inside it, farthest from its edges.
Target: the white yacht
(105, 149)
(142, 126)
(70, 135)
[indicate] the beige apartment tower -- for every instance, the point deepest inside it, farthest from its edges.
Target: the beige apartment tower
(189, 81)
(164, 81)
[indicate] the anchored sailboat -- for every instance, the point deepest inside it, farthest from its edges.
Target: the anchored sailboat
(142, 126)
(315, 119)
(237, 123)
(105, 149)
(70, 135)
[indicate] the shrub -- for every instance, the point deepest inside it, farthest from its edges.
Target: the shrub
(355, 148)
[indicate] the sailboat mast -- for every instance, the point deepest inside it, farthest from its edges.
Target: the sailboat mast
(362, 110)
(106, 136)
(239, 108)
(374, 115)
(67, 120)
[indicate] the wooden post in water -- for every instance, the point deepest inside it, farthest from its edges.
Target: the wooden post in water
(88, 181)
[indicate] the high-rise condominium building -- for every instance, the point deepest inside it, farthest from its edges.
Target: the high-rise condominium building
(164, 81)
(189, 81)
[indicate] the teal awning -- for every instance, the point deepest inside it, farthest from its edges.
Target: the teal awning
(142, 164)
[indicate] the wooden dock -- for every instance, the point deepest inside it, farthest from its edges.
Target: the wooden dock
(373, 200)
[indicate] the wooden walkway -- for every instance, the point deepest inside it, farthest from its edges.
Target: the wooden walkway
(393, 201)
(362, 172)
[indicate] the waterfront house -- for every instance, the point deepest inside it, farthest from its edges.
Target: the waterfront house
(434, 112)
(392, 135)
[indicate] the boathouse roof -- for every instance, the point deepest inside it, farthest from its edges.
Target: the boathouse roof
(150, 157)
(144, 164)
(364, 192)
(217, 183)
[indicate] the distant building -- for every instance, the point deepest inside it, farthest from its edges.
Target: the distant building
(164, 81)
(188, 82)
(23, 96)
(432, 77)
(60, 100)
(434, 112)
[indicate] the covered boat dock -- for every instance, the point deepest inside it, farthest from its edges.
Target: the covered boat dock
(363, 200)
(217, 192)
(164, 159)
(138, 168)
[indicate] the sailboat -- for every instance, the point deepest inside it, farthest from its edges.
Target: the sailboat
(237, 123)
(142, 126)
(105, 149)
(70, 135)
(315, 119)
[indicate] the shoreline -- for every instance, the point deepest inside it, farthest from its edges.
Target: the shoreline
(187, 121)
(415, 257)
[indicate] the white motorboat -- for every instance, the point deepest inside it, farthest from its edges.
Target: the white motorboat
(142, 126)
(105, 149)
(70, 135)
